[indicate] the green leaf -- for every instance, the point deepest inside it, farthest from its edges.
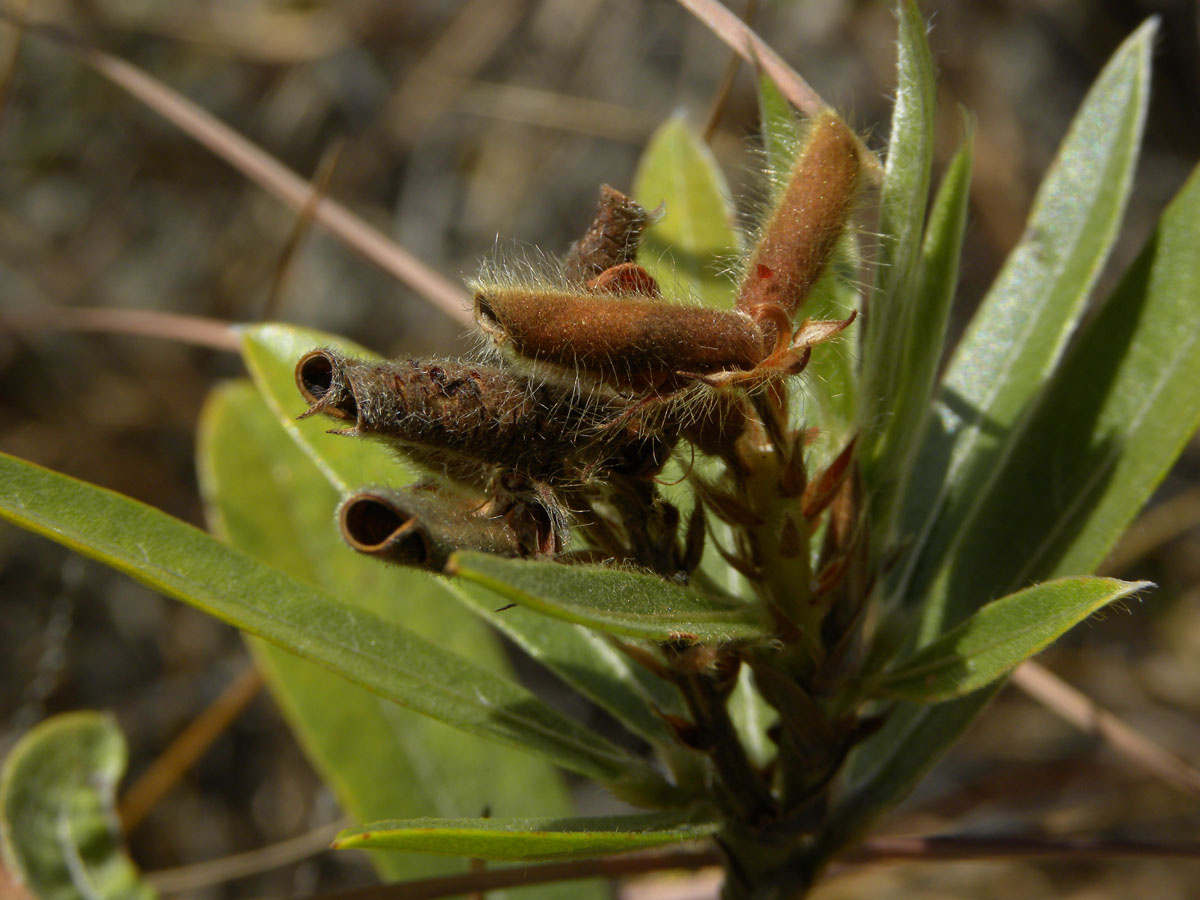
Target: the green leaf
(892, 320)
(58, 801)
(585, 662)
(1016, 339)
(690, 248)
(526, 839)
(780, 131)
(1119, 411)
(1001, 635)
(268, 499)
(183, 562)
(937, 278)
(612, 600)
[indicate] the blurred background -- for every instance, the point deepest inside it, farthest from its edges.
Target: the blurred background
(461, 124)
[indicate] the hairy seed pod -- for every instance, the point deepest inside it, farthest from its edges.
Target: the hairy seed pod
(611, 240)
(801, 233)
(420, 527)
(620, 340)
(473, 422)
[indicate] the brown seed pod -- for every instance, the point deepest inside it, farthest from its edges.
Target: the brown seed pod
(611, 240)
(623, 340)
(800, 234)
(420, 526)
(479, 424)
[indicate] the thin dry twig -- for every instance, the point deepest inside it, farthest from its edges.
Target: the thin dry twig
(197, 330)
(242, 865)
(265, 171)
(979, 849)
(1088, 716)
(1168, 520)
(11, 50)
(164, 773)
(497, 879)
(721, 97)
(300, 229)
(741, 39)
(936, 848)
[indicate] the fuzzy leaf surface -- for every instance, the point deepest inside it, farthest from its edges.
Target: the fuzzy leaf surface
(998, 637)
(611, 600)
(584, 659)
(58, 803)
(526, 839)
(268, 499)
(1017, 338)
(937, 279)
(183, 562)
(690, 248)
(893, 317)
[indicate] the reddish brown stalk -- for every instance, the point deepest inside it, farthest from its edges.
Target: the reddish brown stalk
(197, 330)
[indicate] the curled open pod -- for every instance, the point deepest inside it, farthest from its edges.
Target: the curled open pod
(420, 527)
(321, 378)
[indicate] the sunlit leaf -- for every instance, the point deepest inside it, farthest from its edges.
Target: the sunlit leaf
(58, 807)
(183, 562)
(998, 637)
(690, 248)
(526, 839)
(612, 600)
(1016, 339)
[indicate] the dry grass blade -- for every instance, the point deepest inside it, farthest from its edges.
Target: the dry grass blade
(741, 39)
(170, 882)
(1162, 524)
(281, 181)
(265, 171)
(164, 773)
(952, 847)
(1085, 714)
(197, 330)
(300, 229)
(721, 97)
(10, 49)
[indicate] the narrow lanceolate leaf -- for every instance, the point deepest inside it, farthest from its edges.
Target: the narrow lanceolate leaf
(1019, 333)
(271, 352)
(611, 600)
(526, 839)
(585, 661)
(777, 122)
(937, 278)
(690, 248)
(1120, 410)
(1002, 634)
(58, 811)
(267, 498)
(1104, 433)
(891, 319)
(183, 562)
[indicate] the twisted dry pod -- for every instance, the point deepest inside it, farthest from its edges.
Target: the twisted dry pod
(420, 526)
